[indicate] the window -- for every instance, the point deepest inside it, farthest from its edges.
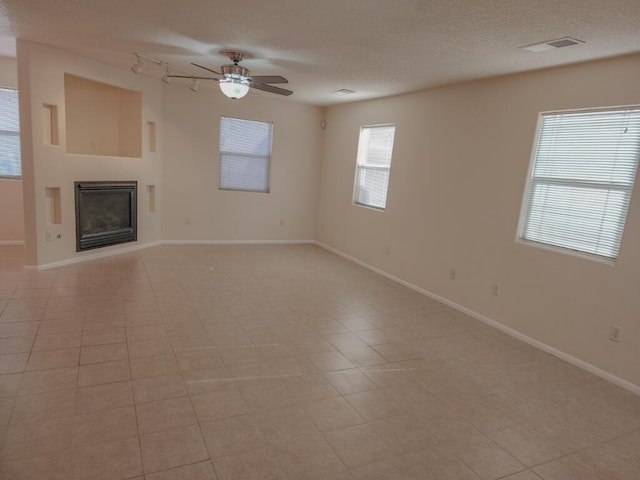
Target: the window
(9, 134)
(373, 165)
(582, 174)
(245, 152)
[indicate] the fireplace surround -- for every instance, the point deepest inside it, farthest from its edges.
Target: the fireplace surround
(106, 213)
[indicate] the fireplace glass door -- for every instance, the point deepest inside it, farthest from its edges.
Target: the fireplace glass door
(106, 213)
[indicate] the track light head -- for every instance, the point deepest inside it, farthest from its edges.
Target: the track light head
(166, 78)
(194, 85)
(137, 68)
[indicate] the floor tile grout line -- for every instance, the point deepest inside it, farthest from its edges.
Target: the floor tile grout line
(188, 394)
(135, 410)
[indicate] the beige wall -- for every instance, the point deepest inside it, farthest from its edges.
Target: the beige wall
(190, 160)
(459, 168)
(41, 72)
(11, 219)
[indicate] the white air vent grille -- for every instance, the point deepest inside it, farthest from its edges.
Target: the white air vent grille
(552, 44)
(563, 42)
(343, 91)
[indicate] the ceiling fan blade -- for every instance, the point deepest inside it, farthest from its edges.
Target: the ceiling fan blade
(193, 77)
(268, 79)
(205, 68)
(270, 89)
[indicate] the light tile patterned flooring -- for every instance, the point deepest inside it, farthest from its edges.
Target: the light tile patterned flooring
(281, 362)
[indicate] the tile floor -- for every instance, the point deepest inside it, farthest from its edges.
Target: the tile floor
(281, 362)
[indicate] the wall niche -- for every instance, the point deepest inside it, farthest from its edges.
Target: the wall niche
(102, 119)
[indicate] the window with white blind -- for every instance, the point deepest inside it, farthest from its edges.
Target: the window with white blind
(582, 174)
(10, 165)
(373, 165)
(245, 153)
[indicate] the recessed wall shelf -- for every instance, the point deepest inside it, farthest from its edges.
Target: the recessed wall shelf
(151, 132)
(54, 205)
(102, 119)
(151, 199)
(50, 124)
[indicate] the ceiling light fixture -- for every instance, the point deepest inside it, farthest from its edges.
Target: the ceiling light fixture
(137, 68)
(235, 81)
(166, 78)
(234, 87)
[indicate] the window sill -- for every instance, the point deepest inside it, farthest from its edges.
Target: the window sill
(566, 251)
(369, 207)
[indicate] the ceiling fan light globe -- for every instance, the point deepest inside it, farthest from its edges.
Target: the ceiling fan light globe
(233, 89)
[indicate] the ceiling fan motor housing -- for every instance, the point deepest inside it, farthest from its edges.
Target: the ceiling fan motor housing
(234, 71)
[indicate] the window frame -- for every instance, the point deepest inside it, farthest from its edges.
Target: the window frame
(12, 133)
(231, 154)
(525, 207)
(360, 154)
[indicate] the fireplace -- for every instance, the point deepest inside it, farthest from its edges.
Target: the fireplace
(106, 214)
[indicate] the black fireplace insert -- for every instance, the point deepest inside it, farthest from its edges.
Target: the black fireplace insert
(106, 214)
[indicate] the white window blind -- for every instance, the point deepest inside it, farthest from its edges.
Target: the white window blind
(583, 171)
(245, 152)
(373, 165)
(10, 165)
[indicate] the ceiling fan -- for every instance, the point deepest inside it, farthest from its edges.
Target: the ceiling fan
(235, 80)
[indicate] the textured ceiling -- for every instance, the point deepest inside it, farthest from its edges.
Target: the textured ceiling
(374, 47)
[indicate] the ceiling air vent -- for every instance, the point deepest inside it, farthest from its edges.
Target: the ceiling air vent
(343, 91)
(552, 44)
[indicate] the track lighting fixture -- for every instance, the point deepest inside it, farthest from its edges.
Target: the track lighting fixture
(166, 78)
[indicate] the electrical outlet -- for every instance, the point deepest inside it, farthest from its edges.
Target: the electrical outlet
(452, 274)
(187, 221)
(495, 290)
(387, 250)
(282, 222)
(615, 333)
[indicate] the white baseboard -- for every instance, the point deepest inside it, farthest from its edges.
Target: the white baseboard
(132, 248)
(93, 256)
(493, 323)
(11, 242)
(237, 242)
